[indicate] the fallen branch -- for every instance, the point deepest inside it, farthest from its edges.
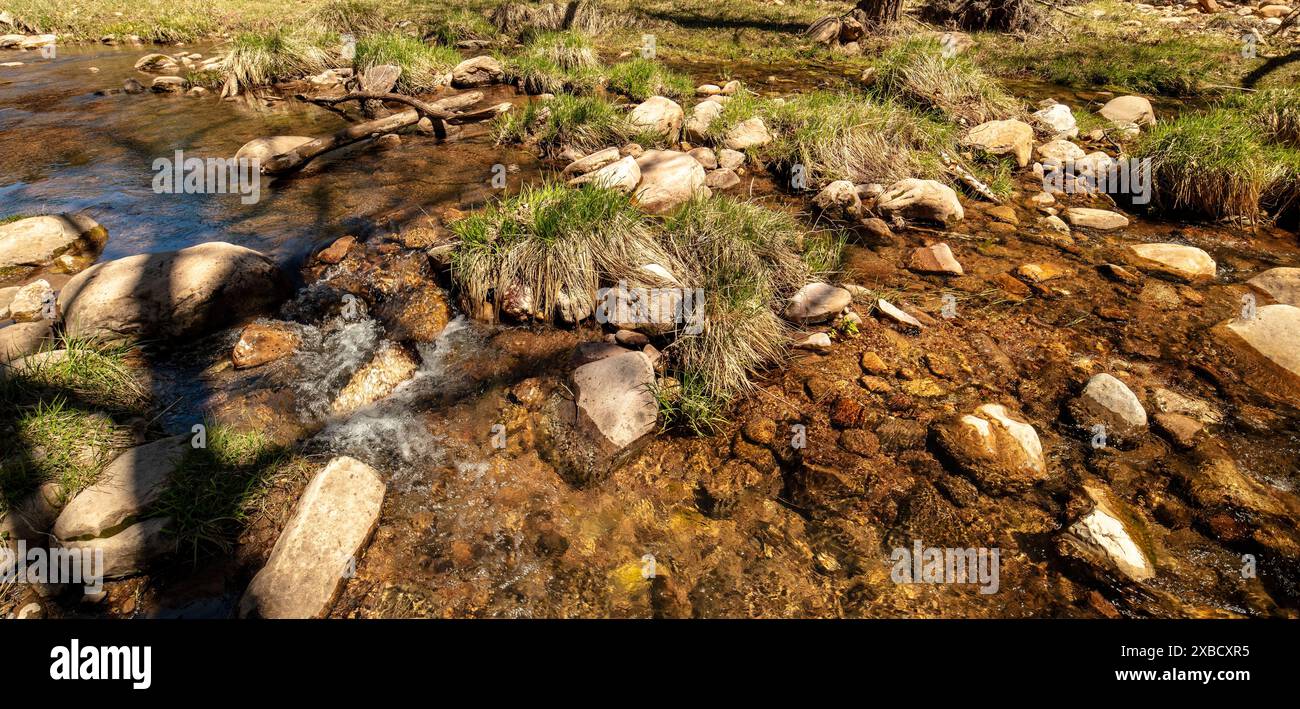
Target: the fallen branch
(969, 179)
(440, 112)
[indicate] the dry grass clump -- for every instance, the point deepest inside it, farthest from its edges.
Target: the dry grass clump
(917, 72)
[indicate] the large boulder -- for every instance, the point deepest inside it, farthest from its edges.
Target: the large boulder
(817, 302)
(616, 406)
(478, 71)
(320, 546)
(1010, 137)
(1187, 263)
(1269, 346)
(923, 200)
(263, 149)
(658, 115)
(126, 488)
(1127, 111)
(37, 241)
(668, 178)
(999, 452)
(1108, 401)
(171, 294)
(747, 134)
(1280, 284)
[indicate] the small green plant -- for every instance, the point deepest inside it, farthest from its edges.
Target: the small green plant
(459, 26)
(688, 405)
(216, 489)
(583, 122)
(639, 79)
(917, 72)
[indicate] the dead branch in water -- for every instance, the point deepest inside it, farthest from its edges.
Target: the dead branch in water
(968, 178)
(440, 113)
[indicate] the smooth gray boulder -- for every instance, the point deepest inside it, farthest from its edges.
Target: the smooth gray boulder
(126, 488)
(172, 294)
(817, 302)
(36, 241)
(320, 546)
(131, 550)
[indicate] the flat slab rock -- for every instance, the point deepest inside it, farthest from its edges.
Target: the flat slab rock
(1186, 262)
(320, 545)
(1280, 284)
(1103, 532)
(615, 404)
(1270, 344)
(1099, 219)
(817, 302)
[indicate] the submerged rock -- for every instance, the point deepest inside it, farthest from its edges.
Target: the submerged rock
(937, 258)
(260, 343)
(999, 452)
(390, 366)
(1109, 402)
(1103, 537)
(616, 407)
(37, 241)
(172, 294)
(320, 546)
(1185, 262)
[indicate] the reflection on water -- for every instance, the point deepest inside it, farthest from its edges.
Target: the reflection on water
(67, 149)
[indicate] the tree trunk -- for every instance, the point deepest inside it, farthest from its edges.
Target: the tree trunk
(876, 15)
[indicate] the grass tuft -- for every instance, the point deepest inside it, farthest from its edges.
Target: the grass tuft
(915, 71)
(639, 79)
(262, 58)
(424, 66)
(584, 122)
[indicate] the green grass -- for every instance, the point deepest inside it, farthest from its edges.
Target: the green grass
(1215, 163)
(15, 217)
(554, 62)
(552, 241)
(744, 105)
(584, 122)
(217, 489)
(459, 26)
(50, 412)
(851, 136)
(424, 66)
(355, 16)
(55, 442)
(687, 405)
(262, 58)
(747, 261)
(639, 79)
(916, 72)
